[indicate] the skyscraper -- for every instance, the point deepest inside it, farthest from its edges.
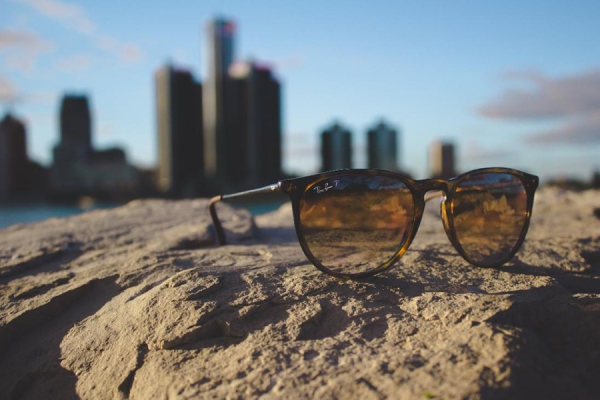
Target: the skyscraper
(441, 160)
(75, 122)
(255, 151)
(72, 153)
(80, 170)
(75, 131)
(179, 126)
(216, 97)
(382, 147)
(13, 157)
(336, 148)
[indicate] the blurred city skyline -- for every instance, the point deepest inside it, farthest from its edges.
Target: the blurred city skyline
(511, 84)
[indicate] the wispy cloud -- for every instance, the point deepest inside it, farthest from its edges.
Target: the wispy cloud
(579, 131)
(71, 15)
(574, 100)
(127, 52)
(548, 98)
(20, 49)
(8, 91)
(10, 39)
(74, 17)
(42, 97)
(77, 62)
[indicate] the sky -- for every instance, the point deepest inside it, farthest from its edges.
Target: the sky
(511, 83)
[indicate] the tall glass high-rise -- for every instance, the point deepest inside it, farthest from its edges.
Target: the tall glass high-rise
(382, 142)
(179, 126)
(336, 148)
(220, 44)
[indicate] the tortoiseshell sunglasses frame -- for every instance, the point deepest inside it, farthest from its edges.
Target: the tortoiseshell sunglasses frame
(296, 187)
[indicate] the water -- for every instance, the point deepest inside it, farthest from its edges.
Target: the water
(11, 215)
(260, 208)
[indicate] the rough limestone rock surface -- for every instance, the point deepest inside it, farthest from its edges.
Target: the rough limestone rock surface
(137, 302)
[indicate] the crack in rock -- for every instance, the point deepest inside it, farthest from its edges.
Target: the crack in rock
(125, 386)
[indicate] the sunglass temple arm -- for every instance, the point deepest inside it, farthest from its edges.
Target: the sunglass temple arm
(220, 233)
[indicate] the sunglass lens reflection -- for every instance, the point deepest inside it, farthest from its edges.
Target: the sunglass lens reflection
(355, 224)
(489, 214)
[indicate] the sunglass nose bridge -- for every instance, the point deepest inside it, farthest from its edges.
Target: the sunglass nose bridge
(432, 185)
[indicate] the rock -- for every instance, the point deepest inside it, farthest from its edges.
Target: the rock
(137, 302)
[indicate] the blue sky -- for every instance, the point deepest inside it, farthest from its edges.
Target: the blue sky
(512, 83)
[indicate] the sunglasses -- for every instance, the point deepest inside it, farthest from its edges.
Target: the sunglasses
(357, 223)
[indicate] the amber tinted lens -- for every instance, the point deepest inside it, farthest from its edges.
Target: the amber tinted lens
(489, 213)
(355, 224)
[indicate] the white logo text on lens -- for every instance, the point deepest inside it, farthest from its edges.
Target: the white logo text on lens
(325, 188)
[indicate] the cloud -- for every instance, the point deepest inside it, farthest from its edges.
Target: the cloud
(8, 92)
(572, 100)
(70, 15)
(22, 40)
(565, 96)
(582, 131)
(42, 97)
(20, 49)
(77, 62)
(74, 17)
(127, 52)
